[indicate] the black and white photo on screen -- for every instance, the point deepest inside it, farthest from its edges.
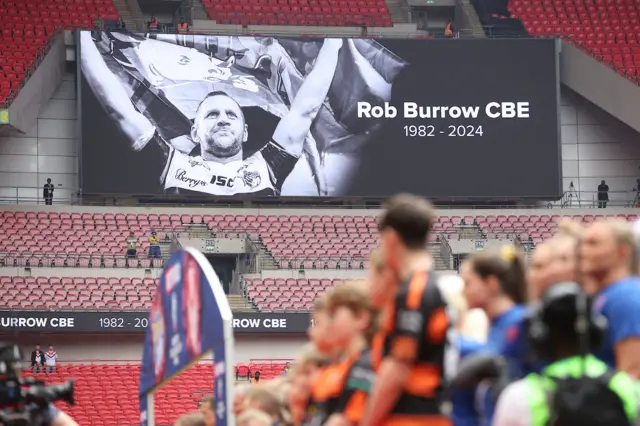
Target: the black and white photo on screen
(240, 115)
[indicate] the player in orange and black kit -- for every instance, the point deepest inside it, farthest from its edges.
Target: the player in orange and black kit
(409, 351)
(342, 388)
(313, 360)
(302, 376)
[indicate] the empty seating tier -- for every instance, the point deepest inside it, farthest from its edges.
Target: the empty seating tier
(321, 242)
(76, 293)
(29, 25)
(357, 13)
(272, 294)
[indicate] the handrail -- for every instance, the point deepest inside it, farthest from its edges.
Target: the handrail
(446, 251)
(42, 52)
(621, 198)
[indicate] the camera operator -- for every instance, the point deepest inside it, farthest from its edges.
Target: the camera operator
(27, 401)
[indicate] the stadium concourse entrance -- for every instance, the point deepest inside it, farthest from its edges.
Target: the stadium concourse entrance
(224, 265)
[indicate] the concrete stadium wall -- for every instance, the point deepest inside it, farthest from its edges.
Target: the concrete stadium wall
(48, 150)
(77, 348)
(596, 146)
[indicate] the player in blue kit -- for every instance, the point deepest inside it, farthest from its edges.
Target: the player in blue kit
(496, 283)
(464, 407)
(609, 259)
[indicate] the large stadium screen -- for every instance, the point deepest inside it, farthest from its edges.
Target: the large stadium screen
(275, 116)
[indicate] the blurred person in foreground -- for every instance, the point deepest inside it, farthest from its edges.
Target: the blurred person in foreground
(409, 351)
(207, 410)
(191, 419)
(539, 271)
(341, 389)
(576, 388)
(564, 266)
(496, 283)
(470, 328)
(239, 393)
(254, 418)
(303, 374)
(263, 398)
(608, 258)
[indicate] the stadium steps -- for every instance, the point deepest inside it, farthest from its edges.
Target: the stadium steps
(199, 11)
(399, 11)
(266, 259)
(125, 12)
(238, 303)
(471, 21)
(435, 250)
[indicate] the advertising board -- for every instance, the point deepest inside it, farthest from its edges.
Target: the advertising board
(23, 321)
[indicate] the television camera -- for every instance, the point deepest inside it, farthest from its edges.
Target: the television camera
(26, 401)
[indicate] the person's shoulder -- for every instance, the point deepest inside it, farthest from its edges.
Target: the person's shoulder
(421, 290)
(625, 291)
(512, 409)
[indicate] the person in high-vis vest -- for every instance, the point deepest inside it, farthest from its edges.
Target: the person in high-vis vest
(448, 30)
(576, 388)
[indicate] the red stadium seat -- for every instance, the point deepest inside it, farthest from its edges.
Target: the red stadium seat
(608, 31)
(27, 27)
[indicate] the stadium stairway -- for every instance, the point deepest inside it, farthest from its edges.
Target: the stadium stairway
(127, 15)
(238, 303)
(199, 11)
(399, 11)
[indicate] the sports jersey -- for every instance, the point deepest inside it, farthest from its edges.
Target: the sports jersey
(619, 303)
(415, 330)
(342, 388)
(464, 412)
(261, 174)
(506, 337)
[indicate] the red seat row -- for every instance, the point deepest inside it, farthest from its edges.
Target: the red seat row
(28, 25)
(594, 25)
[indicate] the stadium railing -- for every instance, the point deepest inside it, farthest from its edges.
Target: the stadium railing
(26, 259)
(569, 199)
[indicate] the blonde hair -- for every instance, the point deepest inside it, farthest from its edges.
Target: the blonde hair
(376, 260)
(311, 356)
(623, 234)
(354, 295)
(569, 228)
(470, 323)
(320, 303)
(249, 416)
(279, 386)
(191, 419)
(266, 397)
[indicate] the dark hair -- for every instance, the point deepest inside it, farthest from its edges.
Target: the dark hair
(411, 217)
(508, 267)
